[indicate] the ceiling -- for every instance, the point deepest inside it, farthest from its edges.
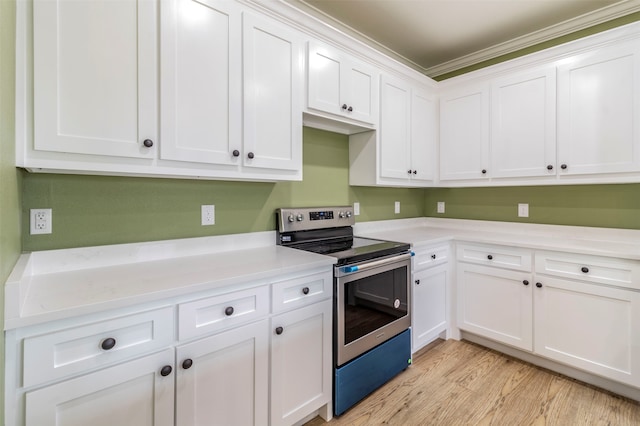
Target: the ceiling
(439, 36)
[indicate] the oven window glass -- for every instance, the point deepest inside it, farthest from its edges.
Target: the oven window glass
(373, 302)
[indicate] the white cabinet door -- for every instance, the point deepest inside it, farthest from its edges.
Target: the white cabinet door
(428, 305)
(523, 116)
(598, 109)
(95, 77)
(496, 303)
(130, 394)
(341, 85)
(223, 379)
(464, 134)
(591, 327)
(273, 65)
(201, 81)
(424, 136)
(395, 137)
(301, 362)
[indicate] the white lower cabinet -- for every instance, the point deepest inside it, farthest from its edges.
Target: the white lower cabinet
(587, 326)
(132, 393)
(496, 303)
(223, 379)
(301, 362)
(430, 295)
(578, 310)
(239, 358)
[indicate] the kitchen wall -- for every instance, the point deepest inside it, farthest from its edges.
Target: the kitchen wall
(9, 176)
(97, 210)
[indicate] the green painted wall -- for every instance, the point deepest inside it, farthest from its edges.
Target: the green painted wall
(10, 244)
(611, 206)
(97, 210)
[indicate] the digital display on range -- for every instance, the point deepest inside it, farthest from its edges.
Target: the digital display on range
(320, 215)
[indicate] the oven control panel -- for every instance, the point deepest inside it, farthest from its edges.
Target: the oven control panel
(303, 219)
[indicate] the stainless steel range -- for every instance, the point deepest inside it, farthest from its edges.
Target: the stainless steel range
(371, 342)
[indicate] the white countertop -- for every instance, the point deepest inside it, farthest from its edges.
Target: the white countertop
(418, 232)
(56, 284)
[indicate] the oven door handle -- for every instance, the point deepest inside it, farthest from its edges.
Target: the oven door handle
(375, 263)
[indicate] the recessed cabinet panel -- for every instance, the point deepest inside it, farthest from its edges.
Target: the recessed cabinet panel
(95, 77)
(361, 93)
(464, 134)
(272, 122)
(429, 306)
(590, 327)
(201, 81)
(324, 79)
(495, 303)
(598, 101)
(395, 143)
(523, 139)
(131, 394)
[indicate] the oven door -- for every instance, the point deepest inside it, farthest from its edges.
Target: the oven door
(372, 304)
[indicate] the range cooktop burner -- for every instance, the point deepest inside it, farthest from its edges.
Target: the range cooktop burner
(328, 231)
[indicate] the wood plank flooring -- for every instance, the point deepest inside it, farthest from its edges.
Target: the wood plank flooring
(460, 383)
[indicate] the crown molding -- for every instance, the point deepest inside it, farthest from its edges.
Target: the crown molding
(581, 22)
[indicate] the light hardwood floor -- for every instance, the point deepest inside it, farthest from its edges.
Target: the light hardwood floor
(461, 383)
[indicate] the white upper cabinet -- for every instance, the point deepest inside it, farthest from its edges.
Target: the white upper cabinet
(201, 82)
(464, 133)
(523, 117)
(340, 85)
(598, 110)
(95, 77)
(273, 63)
(407, 132)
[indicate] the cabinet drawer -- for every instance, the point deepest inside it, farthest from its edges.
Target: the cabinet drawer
(66, 352)
(502, 256)
(597, 269)
(291, 294)
(220, 312)
(430, 256)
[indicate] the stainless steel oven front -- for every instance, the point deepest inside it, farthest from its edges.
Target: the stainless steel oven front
(372, 304)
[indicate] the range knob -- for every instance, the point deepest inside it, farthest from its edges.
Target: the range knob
(348, 213)
(291, 218)
(341, 215)
(300, 217)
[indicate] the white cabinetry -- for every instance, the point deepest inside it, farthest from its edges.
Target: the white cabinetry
(407, 133)
(223, 379)
(494, 288)
(403, 151)
(587, 314)
(464, 133)
(201, 81)
(95, 77)
(233, 364)
(230, 82)
(523, 121)
(131, 393)
(598, 109)
(340, 85)
(430, 295)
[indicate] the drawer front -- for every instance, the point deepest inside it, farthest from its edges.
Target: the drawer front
(596, 269)
(66, 352)
(291, 294)
(217, 313)
(501, 256)
(430, 256)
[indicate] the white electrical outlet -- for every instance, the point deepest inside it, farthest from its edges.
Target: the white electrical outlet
(397, 207)
(440, 208)
(356, 209)
(208, 215)
(523, 210)
(40, 220)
